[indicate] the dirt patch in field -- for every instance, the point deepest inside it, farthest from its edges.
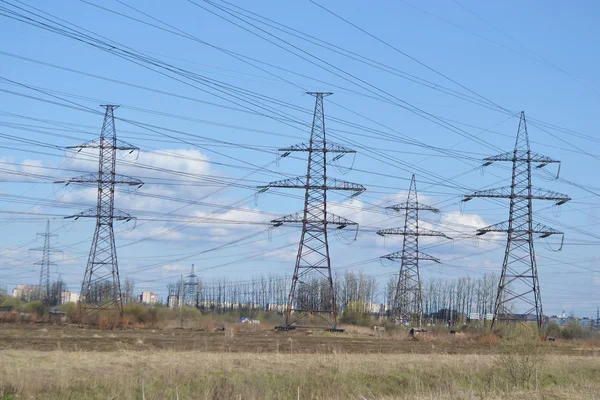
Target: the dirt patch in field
(73, 338)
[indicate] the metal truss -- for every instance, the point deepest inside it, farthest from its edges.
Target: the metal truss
(408, 297)
(519, 282)
(312, 300)
(45, 264)
(101, 287)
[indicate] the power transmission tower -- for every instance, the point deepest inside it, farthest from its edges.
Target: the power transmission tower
(191, 288)
(180, 300)
(408, 297)
(519, 283)
(101, 287)
(45, 264)
(312, 293)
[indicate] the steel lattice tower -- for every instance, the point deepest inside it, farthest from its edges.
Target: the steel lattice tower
(408, 298)
(519, 283)
(45, 264)
(101, 288)
(312, 293)
(191, 287)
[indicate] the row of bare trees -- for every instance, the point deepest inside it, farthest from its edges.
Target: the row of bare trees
(453, 299)
(443, 299)
(271, 292)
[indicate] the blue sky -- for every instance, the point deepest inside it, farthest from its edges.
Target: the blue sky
(540, 58)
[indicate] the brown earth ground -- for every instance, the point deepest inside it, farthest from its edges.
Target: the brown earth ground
(257, 339)
(254, 362)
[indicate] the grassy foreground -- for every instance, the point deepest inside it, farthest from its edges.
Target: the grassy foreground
(167, 374)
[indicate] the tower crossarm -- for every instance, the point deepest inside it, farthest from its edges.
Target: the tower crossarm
(403, 232)
(95, 178)
(300, 183)
(506, 193)
(44, 262)
(330, 147)
(521, 156)
(93, 213)
(397, 256)
(44, 249)
(418, 207)
(298, 217)
(537, 229)
(96, 144)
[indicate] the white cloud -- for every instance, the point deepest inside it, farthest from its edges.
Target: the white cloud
(185, 164)
(182, 161)
(467, 223)
(149, 232)
(218, 232)
(11, 170)
(288, 254)
(175, 268)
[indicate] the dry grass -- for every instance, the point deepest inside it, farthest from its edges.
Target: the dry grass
(59, 374)
(229, 361)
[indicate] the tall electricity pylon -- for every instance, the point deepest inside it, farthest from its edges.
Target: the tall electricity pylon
(45, 264)
(408, 299)
(101, 287)
(519, 284)
(191, 288)
(312, 293)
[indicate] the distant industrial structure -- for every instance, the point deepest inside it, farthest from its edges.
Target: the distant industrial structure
(149, 298)
(26, 292)
(564, 320)
(69, 297)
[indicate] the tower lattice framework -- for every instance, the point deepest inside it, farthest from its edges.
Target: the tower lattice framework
(45, 264)
(312, 297)
(519, 285)
(101, 287)
(408, 297)
(191, 288)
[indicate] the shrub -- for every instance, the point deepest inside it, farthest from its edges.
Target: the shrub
(520, 356)
(136, 312)
(574, 331)
(489, 338)
(12, 302)
(520, 333)
(519, 363)
(141, 314)
(105, 320)
(356, 314)
(552, 329)
(36, 307)
(188, 312)
(69, 308)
